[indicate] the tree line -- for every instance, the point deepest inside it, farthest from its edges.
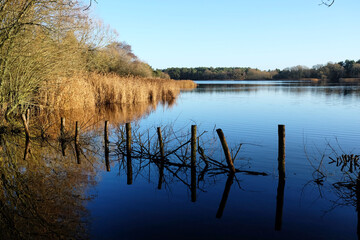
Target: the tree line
(331, 72)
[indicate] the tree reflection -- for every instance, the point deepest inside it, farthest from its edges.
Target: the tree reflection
(344, 182)
(43, 193)
(348, 187)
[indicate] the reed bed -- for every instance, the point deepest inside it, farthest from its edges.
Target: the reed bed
(92, 90)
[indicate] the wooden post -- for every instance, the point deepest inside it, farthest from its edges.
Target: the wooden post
(27, 116)
(193, 163)
(225, 195)
(128, 138)
(106, 140)
(226, 150)
(77, 132)
(161, 143)
(25, 123)
(193, 145)
(281, 154)
(77, 148)
(128, 153)
(62, 136)
(162, 154)
(62, 127)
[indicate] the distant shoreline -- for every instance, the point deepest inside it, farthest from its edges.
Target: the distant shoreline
(341, 80)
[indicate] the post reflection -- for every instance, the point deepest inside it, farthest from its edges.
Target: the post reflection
(225, 195)
(279, 204)
(129, 171)
(358, 204)
(281, 183)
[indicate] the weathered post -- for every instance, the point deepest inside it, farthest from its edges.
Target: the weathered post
(27, 113)
(226, 150)
(77, 132)
(161, 143)
(281, 183)
(162, 154)
(77, 147)
(193, 163)
(62, 136)
(106, 141)
(62, 127)
(128, 138)
(128, 153)
(281, 155)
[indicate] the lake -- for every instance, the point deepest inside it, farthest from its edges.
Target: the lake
(144, 194)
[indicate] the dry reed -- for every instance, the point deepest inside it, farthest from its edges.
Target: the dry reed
(91, 90)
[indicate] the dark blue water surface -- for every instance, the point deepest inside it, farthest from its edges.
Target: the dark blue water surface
(317, 200)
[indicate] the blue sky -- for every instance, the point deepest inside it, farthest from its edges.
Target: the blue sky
(260, 34)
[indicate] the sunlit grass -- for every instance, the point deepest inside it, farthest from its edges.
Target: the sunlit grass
(91, 90)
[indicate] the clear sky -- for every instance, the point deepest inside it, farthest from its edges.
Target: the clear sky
(264, 34)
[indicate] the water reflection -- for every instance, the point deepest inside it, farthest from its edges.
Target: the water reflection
(92, 119)
(347, 188)
(338, 173)
(291, 87)
(48, 188)
(43, 193)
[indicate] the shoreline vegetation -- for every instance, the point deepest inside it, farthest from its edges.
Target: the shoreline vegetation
(55, 56)
(345, 71)
(91, 90)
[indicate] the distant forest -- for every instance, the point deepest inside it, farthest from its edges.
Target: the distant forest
(330, 71)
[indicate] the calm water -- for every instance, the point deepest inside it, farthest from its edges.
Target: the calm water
(320, 121)
(145, 198)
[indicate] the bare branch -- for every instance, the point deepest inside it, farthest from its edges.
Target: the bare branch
(328, 3)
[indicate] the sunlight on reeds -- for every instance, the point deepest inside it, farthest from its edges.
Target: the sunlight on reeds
(91, 90)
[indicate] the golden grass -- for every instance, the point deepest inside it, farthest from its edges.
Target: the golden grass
(186, 84)
(91, 90)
